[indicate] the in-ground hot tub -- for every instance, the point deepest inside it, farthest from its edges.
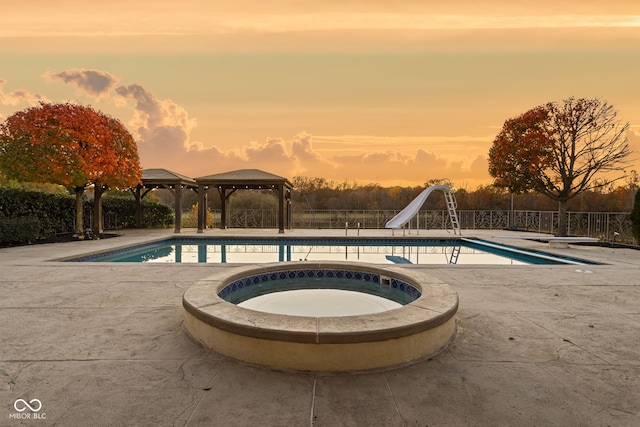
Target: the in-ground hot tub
(421, 327)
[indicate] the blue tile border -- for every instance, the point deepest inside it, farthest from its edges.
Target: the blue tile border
(367, 277)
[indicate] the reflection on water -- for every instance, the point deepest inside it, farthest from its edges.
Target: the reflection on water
(260, 253)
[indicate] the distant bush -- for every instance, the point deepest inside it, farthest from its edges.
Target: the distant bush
(190, 219)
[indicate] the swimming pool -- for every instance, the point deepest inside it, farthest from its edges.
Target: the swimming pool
(376, 251)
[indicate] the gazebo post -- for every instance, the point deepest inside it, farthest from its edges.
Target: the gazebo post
(138, 194)
(281, 208)
(202, 208)
(178, 207)
(223, 208)
(288, 204)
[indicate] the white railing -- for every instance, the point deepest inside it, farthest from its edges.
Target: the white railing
(590, 224)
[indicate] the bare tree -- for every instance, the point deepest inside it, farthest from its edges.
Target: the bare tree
(561, 149)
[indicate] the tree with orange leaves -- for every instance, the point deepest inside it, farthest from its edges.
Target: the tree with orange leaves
(71, 145)
(560, 149)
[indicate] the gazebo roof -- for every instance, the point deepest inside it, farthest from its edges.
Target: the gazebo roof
(252, 178)
(165, 177)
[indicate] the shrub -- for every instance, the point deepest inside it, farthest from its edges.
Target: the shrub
(190, 219)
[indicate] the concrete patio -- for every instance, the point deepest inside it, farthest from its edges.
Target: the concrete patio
(102, 344)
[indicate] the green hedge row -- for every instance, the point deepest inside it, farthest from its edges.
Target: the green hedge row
(54, 212)
(29, 215)
(121, 212)
(19, 230)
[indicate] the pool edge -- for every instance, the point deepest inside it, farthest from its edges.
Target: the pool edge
(324, 344)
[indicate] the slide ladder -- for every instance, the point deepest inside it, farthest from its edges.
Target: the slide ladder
(452, 205)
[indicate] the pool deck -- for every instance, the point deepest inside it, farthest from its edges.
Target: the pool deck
(102, 344)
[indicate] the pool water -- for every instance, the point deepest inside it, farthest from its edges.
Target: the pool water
(377, 251)
(319, 293)
(319, 303)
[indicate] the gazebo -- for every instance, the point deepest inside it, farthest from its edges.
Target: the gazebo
(163, 178)
(245, 179)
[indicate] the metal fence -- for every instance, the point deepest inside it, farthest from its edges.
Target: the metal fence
(602, 225)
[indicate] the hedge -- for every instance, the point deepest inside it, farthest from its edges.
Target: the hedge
(19, 230)
(44, 215)
(54, 212)
(154, 215)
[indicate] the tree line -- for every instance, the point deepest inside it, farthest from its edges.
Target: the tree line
(313, 193)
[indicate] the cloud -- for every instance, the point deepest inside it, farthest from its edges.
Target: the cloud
(331, 21)
(162, 128)
(163, 132)
(152, 112)
(394, 167)
(288, 158)
(93, 83)
(19, 96)
(633, 138)
(302, 149)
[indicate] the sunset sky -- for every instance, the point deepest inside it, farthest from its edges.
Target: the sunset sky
(391, 92)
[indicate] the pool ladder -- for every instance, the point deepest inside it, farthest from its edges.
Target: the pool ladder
(452, 205)
(455, 253)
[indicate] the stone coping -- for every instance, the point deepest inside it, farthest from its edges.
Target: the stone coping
(436, 305)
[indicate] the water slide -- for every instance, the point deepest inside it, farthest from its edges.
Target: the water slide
(412, 208)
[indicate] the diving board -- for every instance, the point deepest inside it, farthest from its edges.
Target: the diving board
(398, 259)
(553, 241)
(412, 209)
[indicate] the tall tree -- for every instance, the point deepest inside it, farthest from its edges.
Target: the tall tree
(561, 149)
(635, 218)
(72, 145)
